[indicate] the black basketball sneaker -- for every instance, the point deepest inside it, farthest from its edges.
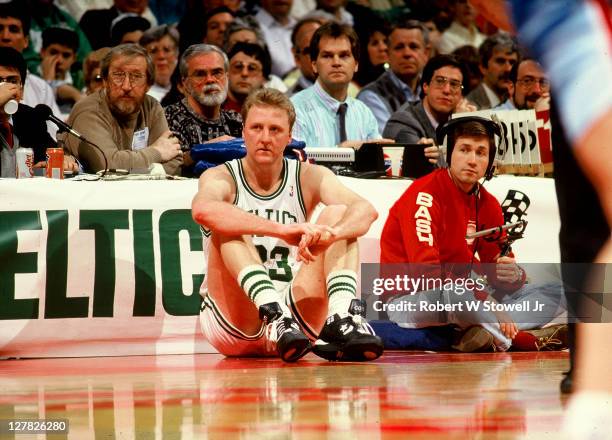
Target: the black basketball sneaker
(291, 343)
(348, 337)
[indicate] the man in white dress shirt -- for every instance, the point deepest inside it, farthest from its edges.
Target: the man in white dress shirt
(276, 25)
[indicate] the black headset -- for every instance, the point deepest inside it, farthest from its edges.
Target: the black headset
(493, 129)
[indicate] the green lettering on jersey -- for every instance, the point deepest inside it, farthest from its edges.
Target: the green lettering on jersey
(280, 254)
(283, 217)
(283, 273)
(288, 218)
(271, 217)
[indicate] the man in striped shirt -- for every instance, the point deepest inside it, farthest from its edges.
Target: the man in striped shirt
(326, 115)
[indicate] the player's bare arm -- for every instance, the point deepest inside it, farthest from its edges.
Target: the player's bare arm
(321, 185)
(213, 208)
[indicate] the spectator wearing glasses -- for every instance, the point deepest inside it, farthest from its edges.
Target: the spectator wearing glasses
(26, 127)
(249, 69)
(246, 30)
(198, 118)
(442, 84)
(122, 120)
(162, 44)
(530, 86)
(14, 30)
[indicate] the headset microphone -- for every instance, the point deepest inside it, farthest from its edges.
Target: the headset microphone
(492, 126)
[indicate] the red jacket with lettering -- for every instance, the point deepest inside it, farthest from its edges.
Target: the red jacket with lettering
(428, 224)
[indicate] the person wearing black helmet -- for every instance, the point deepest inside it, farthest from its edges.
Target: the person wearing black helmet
(429, 226)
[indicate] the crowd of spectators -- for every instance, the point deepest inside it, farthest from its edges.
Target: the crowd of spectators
(201, 59)
(147, 83)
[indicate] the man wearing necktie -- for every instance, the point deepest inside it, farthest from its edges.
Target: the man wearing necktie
(26, 127)
(326, 115)
(342, 121)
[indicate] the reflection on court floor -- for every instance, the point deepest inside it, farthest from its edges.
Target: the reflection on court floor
(205, 396)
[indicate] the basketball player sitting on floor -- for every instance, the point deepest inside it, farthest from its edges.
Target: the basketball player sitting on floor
(272, 277)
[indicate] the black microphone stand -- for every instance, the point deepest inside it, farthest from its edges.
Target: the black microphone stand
(61, 129)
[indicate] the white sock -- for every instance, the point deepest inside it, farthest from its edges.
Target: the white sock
(258, 286)
(341, 290)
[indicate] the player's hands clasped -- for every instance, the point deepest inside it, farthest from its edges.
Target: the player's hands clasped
(310, 238)
(314, 242)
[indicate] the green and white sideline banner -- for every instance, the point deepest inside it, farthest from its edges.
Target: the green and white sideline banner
(114, 268)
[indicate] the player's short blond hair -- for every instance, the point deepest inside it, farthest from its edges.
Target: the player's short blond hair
(271, 98)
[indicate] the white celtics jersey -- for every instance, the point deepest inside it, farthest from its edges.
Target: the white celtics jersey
(285, 206)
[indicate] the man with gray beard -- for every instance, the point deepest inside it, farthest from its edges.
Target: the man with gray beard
(198, 118)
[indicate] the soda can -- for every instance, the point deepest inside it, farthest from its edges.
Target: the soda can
(55, 163)
(24, 159)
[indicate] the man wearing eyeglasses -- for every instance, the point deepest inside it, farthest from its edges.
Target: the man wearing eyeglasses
(24, 128)
(530, 86)
(15, 24)
(122, 120)
(249, 68)
(199, 118)
(442, 95)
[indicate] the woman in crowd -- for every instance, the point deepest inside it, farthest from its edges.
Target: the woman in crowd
(92, 71)
(374, 54)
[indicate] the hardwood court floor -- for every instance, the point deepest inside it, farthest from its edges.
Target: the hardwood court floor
(205, 396)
